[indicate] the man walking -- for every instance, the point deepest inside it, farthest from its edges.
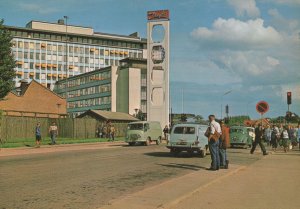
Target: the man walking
(259, 132)
(298, 135)
(213, 142)
(53, 131)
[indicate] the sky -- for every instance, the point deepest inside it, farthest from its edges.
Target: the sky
(250, 48)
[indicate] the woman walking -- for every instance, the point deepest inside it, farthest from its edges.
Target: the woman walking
(285, 139)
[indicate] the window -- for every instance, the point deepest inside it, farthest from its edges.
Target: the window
(20, 44)
(49, 57)
(26, 45)
(60, 58)
(184, 130)
(26, 65)
(43, 56)
(31, 45)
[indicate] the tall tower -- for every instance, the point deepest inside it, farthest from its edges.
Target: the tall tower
(158, 67)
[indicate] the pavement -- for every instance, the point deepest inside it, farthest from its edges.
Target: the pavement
(44, 149)
(272, 182)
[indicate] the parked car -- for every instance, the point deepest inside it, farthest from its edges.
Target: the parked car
(188, 137)
(143, 132)
(241, 136)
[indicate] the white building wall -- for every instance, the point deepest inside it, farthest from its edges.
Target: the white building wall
(134, 98)
(114, 78)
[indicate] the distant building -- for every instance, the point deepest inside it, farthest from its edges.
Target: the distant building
(48, 52)
(116, 88)
(33, 100)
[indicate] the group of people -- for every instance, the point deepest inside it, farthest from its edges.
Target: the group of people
(286, 136)
(218, 142)
(106, 131)
(53, 131)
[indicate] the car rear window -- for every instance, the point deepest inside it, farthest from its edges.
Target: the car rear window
(236, 130)
(184, 130)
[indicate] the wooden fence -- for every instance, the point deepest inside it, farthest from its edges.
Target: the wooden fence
(12, 127)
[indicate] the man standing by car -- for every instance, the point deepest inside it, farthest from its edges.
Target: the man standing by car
(259, 133)
(213, 142)
(224, 144)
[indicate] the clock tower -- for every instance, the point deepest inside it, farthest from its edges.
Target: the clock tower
(158, 67)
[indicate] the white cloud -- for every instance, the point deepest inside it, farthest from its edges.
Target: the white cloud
(281, 23)
(234, 33)
(245, 8)
(284, 2)
(34, 7)
(272, 61)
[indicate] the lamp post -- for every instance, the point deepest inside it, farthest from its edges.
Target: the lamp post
(66, 53)
(227, 92)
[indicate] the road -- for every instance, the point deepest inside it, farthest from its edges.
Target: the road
(91, 178)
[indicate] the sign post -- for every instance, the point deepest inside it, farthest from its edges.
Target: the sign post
(262, 107)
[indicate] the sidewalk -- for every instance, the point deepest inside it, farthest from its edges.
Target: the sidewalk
(272, 182)
(58, 148)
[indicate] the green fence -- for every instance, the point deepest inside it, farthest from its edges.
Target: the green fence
(12, 127)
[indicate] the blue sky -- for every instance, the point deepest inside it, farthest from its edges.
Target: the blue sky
(251, 47)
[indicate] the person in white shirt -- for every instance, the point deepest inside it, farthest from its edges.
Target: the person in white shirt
(213, 142)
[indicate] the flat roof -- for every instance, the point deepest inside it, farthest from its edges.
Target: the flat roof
(94, 35)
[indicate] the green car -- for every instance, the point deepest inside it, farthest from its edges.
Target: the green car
(143, 132)
(241, 136)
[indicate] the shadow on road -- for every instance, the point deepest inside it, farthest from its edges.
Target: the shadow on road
(183, 166)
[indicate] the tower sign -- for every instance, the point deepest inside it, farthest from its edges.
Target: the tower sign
(158, 66)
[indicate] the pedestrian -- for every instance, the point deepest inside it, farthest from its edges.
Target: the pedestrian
(224, 144)
(53, 130)
(214, 133)
(38, 135)
(275, 136)
(298, 135)
(166, 131)
(112, 133)
(104, 131)
(259, 132)
(268, 135)
(292, 135)
(285, 139)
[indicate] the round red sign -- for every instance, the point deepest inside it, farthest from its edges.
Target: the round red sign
(262, 107)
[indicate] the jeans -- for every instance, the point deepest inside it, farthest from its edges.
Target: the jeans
(223, 157)
(214, 153)
(53, 136)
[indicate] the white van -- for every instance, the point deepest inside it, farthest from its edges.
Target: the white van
(188, 137)
(143, 132)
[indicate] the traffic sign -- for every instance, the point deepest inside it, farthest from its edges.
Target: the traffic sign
(262, 107)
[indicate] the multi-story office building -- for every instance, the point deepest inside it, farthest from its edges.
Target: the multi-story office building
(49, 52)
(116, 88)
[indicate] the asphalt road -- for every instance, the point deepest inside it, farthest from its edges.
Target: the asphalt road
(91, 178)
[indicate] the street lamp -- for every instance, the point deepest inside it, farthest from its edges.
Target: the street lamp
(227, 92)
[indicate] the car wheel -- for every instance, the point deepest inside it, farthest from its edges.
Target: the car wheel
(148, 141)
(158, 141)
(131, 143)
(202, 153)
(174, 152)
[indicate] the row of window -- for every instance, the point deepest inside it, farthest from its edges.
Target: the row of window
(77, 39)
(83, 80)
(73, 49)
(90, 90)
(90, 102)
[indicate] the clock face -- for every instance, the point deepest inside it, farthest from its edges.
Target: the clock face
(158, 54)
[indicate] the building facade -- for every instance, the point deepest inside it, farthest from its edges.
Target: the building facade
(33, 100)
(115, 88)
(49, 52)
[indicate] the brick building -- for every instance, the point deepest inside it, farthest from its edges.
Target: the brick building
(34, 100)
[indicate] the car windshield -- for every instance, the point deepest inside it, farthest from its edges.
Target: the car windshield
(236, 130)
(136, 126)
(184, 130)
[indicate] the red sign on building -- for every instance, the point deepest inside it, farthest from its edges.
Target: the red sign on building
(158, 15)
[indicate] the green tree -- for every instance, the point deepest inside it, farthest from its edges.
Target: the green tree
(7, 61)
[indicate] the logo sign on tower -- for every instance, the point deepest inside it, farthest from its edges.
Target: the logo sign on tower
(158, 15)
